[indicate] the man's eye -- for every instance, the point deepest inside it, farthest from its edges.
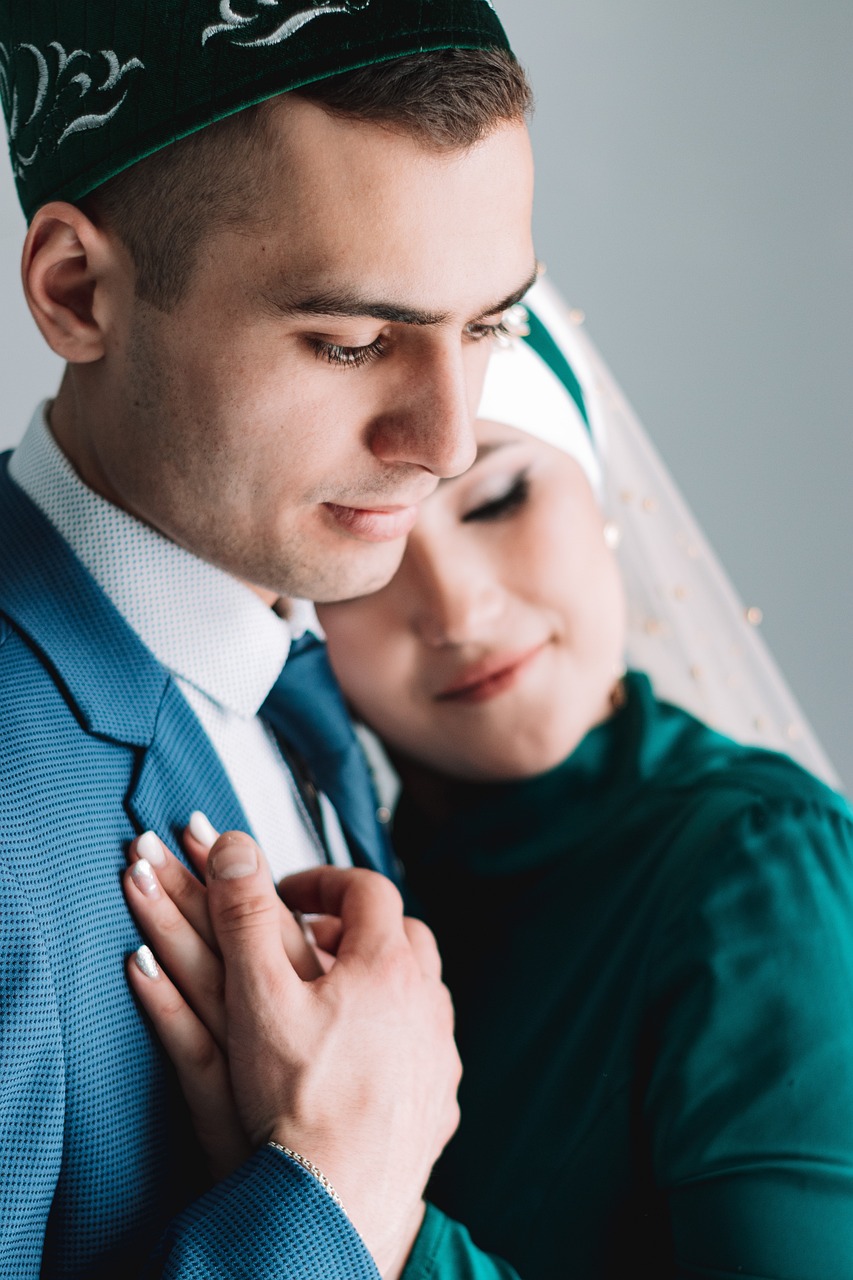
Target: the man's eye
(514, 323)
(348, 357)
(485, 332)
(505, 504)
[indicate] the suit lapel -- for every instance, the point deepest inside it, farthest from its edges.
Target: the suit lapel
(179, 772)
(113, 681)
(118, 688)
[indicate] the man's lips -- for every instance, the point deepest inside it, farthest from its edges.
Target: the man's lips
(373, 524)
(486, 679)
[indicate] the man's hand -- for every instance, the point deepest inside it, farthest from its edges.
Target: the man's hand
(355, 1068)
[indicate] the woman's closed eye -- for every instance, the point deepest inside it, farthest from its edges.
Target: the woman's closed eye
(503, 504)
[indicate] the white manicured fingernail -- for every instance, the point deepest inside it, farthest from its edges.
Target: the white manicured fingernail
(202, 829)
(144, 878)
(150, 846)
(145, 961)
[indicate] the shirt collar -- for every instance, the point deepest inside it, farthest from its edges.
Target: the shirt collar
(207, 628)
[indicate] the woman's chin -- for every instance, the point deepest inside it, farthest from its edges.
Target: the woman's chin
(516, 762)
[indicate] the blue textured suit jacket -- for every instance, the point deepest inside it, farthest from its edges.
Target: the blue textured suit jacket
(98, 1168)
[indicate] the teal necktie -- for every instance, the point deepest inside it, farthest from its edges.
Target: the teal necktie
(307, 712)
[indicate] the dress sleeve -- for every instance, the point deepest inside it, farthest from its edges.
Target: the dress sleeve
(445, 1251)
(749, 1049)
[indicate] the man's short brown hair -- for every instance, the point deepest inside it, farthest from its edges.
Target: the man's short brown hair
(162, 207)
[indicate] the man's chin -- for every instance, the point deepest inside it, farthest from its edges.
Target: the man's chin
(369, 571)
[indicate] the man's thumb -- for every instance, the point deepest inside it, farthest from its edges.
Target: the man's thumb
(244, 908)
(233, 856)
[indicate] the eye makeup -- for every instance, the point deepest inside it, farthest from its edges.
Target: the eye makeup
(509, 498)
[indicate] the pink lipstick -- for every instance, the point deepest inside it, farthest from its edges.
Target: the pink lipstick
(490, 677)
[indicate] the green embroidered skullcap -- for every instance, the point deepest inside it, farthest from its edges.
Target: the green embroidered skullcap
(91, 86)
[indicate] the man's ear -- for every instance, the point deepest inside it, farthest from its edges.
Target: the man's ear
(67, 269)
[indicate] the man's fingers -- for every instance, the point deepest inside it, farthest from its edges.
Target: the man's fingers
(368, 905)
(200, 1064)
(423, 944)
(327, 935)
(185, 890)
(247, 919)
(327, 932)
(191, 964)
(368, 910)
(199, 837)
(300, 943)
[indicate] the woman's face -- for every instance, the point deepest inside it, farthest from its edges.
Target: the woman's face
(496, 646)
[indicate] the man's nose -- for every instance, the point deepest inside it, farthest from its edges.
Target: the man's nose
(430, 422)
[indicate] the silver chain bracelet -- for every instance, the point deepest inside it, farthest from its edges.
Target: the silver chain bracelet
(311, 1168)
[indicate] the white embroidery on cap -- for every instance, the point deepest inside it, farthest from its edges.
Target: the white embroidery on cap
(244, 28)
(65, 83)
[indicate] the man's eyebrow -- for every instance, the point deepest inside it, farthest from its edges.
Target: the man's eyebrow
(334, 302)
(342, 303)
(514, 298)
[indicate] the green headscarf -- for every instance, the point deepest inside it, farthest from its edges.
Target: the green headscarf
(91, 86)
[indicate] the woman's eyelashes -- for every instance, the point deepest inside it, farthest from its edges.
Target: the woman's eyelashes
(503, 504)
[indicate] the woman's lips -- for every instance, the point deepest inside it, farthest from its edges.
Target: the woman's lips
(486, 679)
(374, 524)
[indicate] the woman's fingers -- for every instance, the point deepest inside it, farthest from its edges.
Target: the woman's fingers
(200, 1064)
(191, 964)
(199, 837)
(184, 889)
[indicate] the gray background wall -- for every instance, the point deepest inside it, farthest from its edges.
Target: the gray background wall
(695, 199)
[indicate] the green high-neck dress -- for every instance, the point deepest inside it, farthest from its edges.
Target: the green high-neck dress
(650, 950)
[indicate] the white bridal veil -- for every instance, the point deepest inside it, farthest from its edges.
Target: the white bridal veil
(687, 629)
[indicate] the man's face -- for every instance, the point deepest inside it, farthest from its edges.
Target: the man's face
(324, 367)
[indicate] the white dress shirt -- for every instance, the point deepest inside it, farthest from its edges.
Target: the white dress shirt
(223, 645)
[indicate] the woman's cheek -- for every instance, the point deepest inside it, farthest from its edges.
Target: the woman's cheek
(348, 645)
(387, 682)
